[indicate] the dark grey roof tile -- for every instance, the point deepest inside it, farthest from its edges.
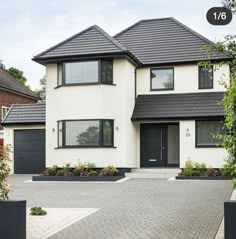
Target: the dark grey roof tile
(166, 40)
(179, 106)
(25, 113)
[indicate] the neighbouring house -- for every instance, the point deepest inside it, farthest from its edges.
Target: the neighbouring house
(24, 130)
(12, 92)
(136, 100)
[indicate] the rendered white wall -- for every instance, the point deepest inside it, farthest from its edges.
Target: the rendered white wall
(93, 102)
(213, 157)
(185, 80)
(9, 138)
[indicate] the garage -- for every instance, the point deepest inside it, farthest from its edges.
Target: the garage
(24, 132)
(29, 151)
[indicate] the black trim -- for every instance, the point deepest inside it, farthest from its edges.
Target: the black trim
(101, 140)
(196, 139)
(179, 118)
(76, 178)
(212, 73)
(162, 68)
(123, 55)
(23, 123)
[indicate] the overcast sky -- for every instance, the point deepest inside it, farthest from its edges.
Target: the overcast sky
(31, 26)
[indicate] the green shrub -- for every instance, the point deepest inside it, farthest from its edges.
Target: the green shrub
(5, 170)
(196, 172)
(187, 172)
(90, 166)
(200, 167)
(52, 171)
(229, 168)
(109, 171)
(37, 211)
(79, 168)
(66, 168)
(92, 173)
(60, 173)
(189, 164)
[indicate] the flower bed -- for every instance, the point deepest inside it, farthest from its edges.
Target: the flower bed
(81, 172)
(197, 171)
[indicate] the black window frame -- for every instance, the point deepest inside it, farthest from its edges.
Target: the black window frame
(199, 80)
(196, 135)
(162, 68)
(99, 82)
(101, 143)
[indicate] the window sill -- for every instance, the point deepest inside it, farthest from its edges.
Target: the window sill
(85, 84)
(206, 88)
(85, 147)
(162, 89)
(209, 146)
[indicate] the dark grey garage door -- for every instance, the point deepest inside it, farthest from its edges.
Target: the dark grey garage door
(29, 151)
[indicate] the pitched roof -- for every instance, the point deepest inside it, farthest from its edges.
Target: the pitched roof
(166, 40)
(178, 106)
(26, 113)
(8, 82)
(92, 40)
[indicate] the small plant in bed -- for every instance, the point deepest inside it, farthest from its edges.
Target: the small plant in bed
(92, 173)
(109, 171)
(37, 211)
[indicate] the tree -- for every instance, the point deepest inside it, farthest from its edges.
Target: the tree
(42, 91)
(231, 4)
(18, 75)
(90, 136)
(228, 46)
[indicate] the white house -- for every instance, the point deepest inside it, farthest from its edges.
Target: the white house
(138, 99)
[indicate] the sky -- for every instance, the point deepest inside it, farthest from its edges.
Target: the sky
(31, 26)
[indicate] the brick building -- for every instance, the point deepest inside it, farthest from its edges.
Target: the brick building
(12, 92)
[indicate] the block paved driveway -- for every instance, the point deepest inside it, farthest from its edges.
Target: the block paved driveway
(137, 208)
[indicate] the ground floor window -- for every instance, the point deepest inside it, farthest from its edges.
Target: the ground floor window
(206, 132)
(86, 133)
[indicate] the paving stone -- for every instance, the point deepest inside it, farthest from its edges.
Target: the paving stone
(134, 209)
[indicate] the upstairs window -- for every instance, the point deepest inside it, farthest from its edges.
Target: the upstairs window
(4, 111)
(206, 132)
(205, 77)
(85, 72)
(162, 79)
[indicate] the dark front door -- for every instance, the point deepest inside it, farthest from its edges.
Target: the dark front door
(29, 151)
(152, 144)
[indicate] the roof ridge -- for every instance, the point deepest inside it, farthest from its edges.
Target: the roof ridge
(192, 31)
(105, 34)
(64, 41)
(114, 41)
(143, 20)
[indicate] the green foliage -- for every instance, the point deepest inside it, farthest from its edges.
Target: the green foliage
(41, 93)
(109, 171)
(37, 211)
(82, 169)
(188, 172)
(92, 173)
(79, 168)
(189, 164)
(60, 173)
(231, 4)
(66, 168)
(196, 172)
(5, 170)
(52, 171)
(18, 75)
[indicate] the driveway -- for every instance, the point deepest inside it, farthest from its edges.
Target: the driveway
(134, 209)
